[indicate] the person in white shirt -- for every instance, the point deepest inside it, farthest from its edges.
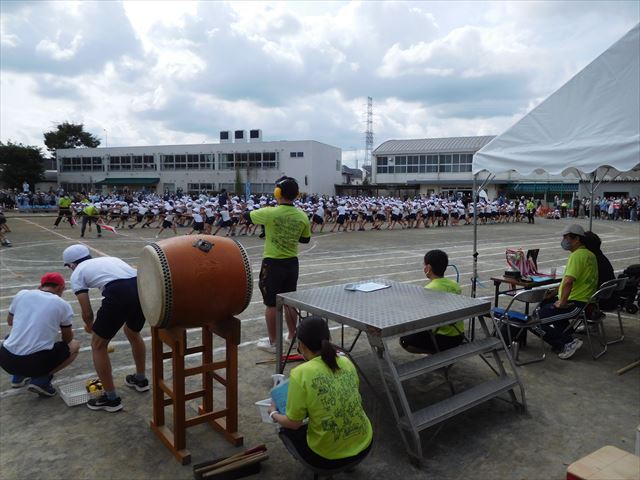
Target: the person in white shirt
(32, 352)
(198, 220)
(120, 307)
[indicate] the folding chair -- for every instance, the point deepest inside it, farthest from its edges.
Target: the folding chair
(603, 293)
(620, 284)
(514, 318)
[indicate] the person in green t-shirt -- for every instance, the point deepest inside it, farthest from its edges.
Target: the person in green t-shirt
(285, 227)
(91, 213)
(324, 389)
(442, 338)
(579, 282)
(64, 210)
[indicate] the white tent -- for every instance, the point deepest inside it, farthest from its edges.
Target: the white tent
(592, 121)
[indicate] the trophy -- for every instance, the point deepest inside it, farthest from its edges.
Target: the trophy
(514, 258)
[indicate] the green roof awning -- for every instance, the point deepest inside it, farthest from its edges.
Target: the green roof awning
(128, 181)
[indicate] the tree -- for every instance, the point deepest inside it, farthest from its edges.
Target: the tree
(238, 183)
(19, 163)
(69, 135)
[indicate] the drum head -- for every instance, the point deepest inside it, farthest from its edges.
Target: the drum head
(151, 286)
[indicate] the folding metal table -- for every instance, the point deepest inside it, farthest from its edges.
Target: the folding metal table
(401, 309)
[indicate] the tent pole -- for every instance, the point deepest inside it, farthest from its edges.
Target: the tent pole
(475, 237)
(591, 191)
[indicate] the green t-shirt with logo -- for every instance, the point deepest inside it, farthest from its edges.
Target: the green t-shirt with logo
(91, 211)
(449, 286)
(582, 265)
(64, 202)
(338, 425)
(284, 225)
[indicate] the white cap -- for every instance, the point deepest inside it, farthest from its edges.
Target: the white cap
(74, 253)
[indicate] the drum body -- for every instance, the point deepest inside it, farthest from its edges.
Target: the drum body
(191, 280)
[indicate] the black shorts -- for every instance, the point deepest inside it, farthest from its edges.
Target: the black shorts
(277, 276)
(395, 218)
(139, 218)
(198, 226)
(412, 216)
(317, 219)
(37, 364)
(340, 220)
(166, 224)
(210, 220)
(120, 306)
(124, 217)
(381, 217)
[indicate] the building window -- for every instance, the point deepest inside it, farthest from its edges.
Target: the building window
(199, 188)
(167, 162)
(296, 154)
(255, 160)
(338, 165)
(83, 164)
(382, 165)
(119, 163)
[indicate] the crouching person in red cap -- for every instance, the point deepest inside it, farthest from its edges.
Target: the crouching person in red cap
(32, 352)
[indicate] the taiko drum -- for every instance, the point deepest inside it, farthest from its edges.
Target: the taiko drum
(191, 280)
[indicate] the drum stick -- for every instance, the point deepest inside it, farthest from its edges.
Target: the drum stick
(239, 463)
(233, 460)
(629, 367)
(290, 358)
(203, 467)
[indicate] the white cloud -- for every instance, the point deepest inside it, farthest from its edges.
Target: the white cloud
(177, 72)
(56, 50)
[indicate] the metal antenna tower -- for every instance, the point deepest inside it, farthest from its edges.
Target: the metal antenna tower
(368, 142)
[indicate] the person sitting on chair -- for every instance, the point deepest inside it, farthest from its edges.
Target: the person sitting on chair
(605, 269)
(578, 284)
(442, 338)
(324, 389)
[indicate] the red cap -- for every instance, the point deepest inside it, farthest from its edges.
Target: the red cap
(52, 277)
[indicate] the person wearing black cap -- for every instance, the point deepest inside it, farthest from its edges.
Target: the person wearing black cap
(33, 352)
(324, 389)
(120, 306)
(578, 284)
(285, 227)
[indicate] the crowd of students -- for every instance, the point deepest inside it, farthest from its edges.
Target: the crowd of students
(231, 214)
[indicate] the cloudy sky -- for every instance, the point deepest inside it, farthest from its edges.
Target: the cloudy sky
(141, 73)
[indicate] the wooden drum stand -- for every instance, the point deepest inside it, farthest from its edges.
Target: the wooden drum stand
(224, 420)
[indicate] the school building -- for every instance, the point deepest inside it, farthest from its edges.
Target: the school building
(239, 162)
(444, 165)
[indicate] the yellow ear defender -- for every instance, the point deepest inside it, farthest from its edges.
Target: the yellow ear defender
(277, 192)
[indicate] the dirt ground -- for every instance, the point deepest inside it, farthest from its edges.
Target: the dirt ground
(575, 406)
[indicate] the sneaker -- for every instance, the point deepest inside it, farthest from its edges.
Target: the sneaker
(103, 403)
(42, 387)
(266, 346)
(569, 349)
(18, 381)
(139, 385)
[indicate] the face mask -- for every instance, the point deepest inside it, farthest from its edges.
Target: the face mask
(565, 244)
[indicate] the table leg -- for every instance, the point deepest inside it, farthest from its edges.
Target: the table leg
(497, 293)
(279, 319)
